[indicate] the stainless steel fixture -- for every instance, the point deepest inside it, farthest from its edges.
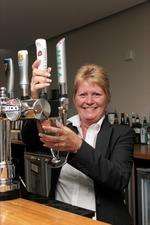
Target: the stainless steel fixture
(12, 109)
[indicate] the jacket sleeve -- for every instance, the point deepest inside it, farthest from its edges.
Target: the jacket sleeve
(112, 169)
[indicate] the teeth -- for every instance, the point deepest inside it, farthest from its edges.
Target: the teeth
(89, 107)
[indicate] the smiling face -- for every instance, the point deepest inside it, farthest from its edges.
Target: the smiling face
(91, 102)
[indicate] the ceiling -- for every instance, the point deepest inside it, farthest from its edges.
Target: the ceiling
(21, 22)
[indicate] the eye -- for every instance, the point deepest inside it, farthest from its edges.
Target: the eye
(82, 95)
(97, 94)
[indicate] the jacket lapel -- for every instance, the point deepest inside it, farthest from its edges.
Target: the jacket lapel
(103, 138)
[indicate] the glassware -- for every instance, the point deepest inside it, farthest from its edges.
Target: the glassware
(57, 158)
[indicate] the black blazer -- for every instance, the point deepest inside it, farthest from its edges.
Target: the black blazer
(109, 165)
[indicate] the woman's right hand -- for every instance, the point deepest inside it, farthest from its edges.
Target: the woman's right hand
(40, 79)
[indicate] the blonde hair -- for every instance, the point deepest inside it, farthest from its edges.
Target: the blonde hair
(94, 74)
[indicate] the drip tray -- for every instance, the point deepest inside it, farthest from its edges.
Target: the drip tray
(9, 195)
(59, 205)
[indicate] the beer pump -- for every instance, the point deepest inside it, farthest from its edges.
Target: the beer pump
(9, 72)
(58, 159)
(62, 80)
(12, 109)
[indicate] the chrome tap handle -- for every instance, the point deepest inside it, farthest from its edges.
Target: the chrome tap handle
(39, 109)
(9, 72)
(62, 79)
(23, 69)
(41, 53)
(15, 109)
(63, 109)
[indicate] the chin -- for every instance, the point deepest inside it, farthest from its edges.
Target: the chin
(91, 120)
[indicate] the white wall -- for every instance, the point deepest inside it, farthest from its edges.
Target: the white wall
(107, 43)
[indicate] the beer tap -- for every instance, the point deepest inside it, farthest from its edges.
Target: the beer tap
(39, 108)
(9, 72)
(12, 109)
(9, 187)
(41, 54)
(23, 70)
(58, 159)
(62, 80)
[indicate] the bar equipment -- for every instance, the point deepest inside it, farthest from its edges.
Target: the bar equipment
(41, 54)
(57, 158)
(60, 158)
(9, 71)
(12, 109)
(37, 173)
(23, 70)
(143, 197)
(62, 80)
(29, 108)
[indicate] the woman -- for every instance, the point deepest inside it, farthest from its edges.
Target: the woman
(101, 155)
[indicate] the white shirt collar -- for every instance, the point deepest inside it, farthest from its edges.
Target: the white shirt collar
(75, 120)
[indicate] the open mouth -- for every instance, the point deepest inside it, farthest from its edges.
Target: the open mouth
(90, 107)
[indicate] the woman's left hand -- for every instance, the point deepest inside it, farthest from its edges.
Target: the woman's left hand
(60, 138)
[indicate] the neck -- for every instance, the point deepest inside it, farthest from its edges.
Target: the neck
(84, 127)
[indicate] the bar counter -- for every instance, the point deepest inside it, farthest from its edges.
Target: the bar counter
(142, 152)
(25, 212)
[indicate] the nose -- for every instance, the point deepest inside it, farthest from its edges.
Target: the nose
(89, 99)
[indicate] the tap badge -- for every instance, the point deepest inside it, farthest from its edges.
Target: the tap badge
(20, 56)
(39, 53)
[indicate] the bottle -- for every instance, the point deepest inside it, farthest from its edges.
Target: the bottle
(148, 131)
(111, 117)
(122, 119)
(137, 128)
(132, 119)
(116, 118)
(148, 135)
(143, 133)
(127, 122)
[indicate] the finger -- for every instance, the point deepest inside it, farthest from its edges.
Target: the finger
(51, 138)
(61, 145)
(56, 146)
(40, 79)
(41, 73)
(49, 69)
(40, 86)
(36, 64)
(39, 82)
(55, 130)
(45, 122)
